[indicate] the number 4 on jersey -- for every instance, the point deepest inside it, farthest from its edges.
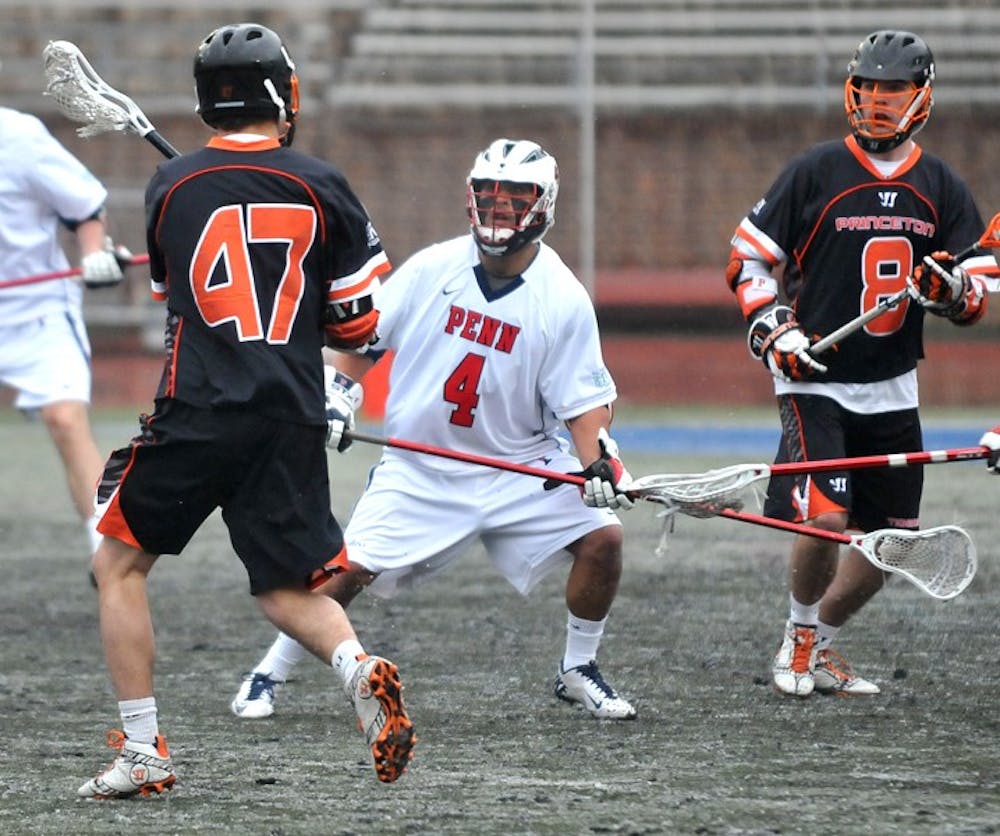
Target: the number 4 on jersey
(461, 388)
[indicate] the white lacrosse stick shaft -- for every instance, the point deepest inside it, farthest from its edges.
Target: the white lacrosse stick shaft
(858, 322)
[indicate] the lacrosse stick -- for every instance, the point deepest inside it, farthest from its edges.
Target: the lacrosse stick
(670, 491)
(939, 561)
(720, 488)
(69, 273)
(83, 96)
(990, 239)
(695, 494)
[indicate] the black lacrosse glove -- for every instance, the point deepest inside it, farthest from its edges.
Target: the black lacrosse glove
(945, 289)
(607, 480)
(776, 339)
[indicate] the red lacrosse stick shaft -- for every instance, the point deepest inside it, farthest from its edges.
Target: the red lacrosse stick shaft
(887, 460)
(471, 458)
(797, 528)
(64, 274)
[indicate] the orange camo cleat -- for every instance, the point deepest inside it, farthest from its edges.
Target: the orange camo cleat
(377, 695)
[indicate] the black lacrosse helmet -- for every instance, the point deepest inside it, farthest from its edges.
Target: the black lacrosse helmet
(889, 55)
(243, 70)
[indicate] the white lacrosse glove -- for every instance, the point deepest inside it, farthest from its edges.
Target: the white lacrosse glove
(991, 439)
(776, 338)
(343, 396)
(607, 479)
(102, 268)
(945, 289)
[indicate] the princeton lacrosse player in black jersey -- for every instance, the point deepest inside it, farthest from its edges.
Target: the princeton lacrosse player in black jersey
(849, 223)
(263, 255)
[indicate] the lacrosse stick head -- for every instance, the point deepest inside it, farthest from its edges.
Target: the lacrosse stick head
(941, 561)
(700, 494)
(82, 95)
(990, 239)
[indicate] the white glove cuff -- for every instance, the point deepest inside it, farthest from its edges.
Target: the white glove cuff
(100, 265)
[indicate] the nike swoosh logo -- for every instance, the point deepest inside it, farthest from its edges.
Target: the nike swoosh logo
(449, 290)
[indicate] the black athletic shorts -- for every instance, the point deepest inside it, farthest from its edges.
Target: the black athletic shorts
(816, 427)
(269, 478)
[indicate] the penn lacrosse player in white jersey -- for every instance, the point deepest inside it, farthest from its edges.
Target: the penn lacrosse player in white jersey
(44, 350)
(496, 350)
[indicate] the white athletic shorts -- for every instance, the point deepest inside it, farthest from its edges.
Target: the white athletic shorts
(46, 360)
(411, 522)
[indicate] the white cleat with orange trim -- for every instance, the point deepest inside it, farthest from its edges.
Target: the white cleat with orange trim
(140, 769)
(833, 675)
(794, 664)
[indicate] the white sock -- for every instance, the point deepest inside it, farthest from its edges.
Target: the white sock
(825, 634)
(139, 719)
(281, 657)
(582, 640)
(92, 534)
(347, 657)
(806, 614)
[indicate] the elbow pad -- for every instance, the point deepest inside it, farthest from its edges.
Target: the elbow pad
(351, 325)
(752, 283)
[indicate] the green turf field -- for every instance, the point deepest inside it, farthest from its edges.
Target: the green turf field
(714, 750)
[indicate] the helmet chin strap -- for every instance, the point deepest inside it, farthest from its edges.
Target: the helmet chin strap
(915, 106)
(289, 134)
(278, 101)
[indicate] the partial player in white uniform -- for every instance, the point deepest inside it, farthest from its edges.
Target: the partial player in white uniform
(44, 350)
(496, 349)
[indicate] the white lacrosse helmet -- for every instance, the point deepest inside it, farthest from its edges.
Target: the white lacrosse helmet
(511, 195)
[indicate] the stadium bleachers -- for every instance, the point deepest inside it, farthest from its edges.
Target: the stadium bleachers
(652, 54)
(426, 53)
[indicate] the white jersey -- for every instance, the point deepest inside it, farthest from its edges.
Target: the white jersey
(40, 183)
(488, 372)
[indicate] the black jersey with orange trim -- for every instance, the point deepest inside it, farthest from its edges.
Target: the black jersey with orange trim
(248, 242)
(850, 237)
